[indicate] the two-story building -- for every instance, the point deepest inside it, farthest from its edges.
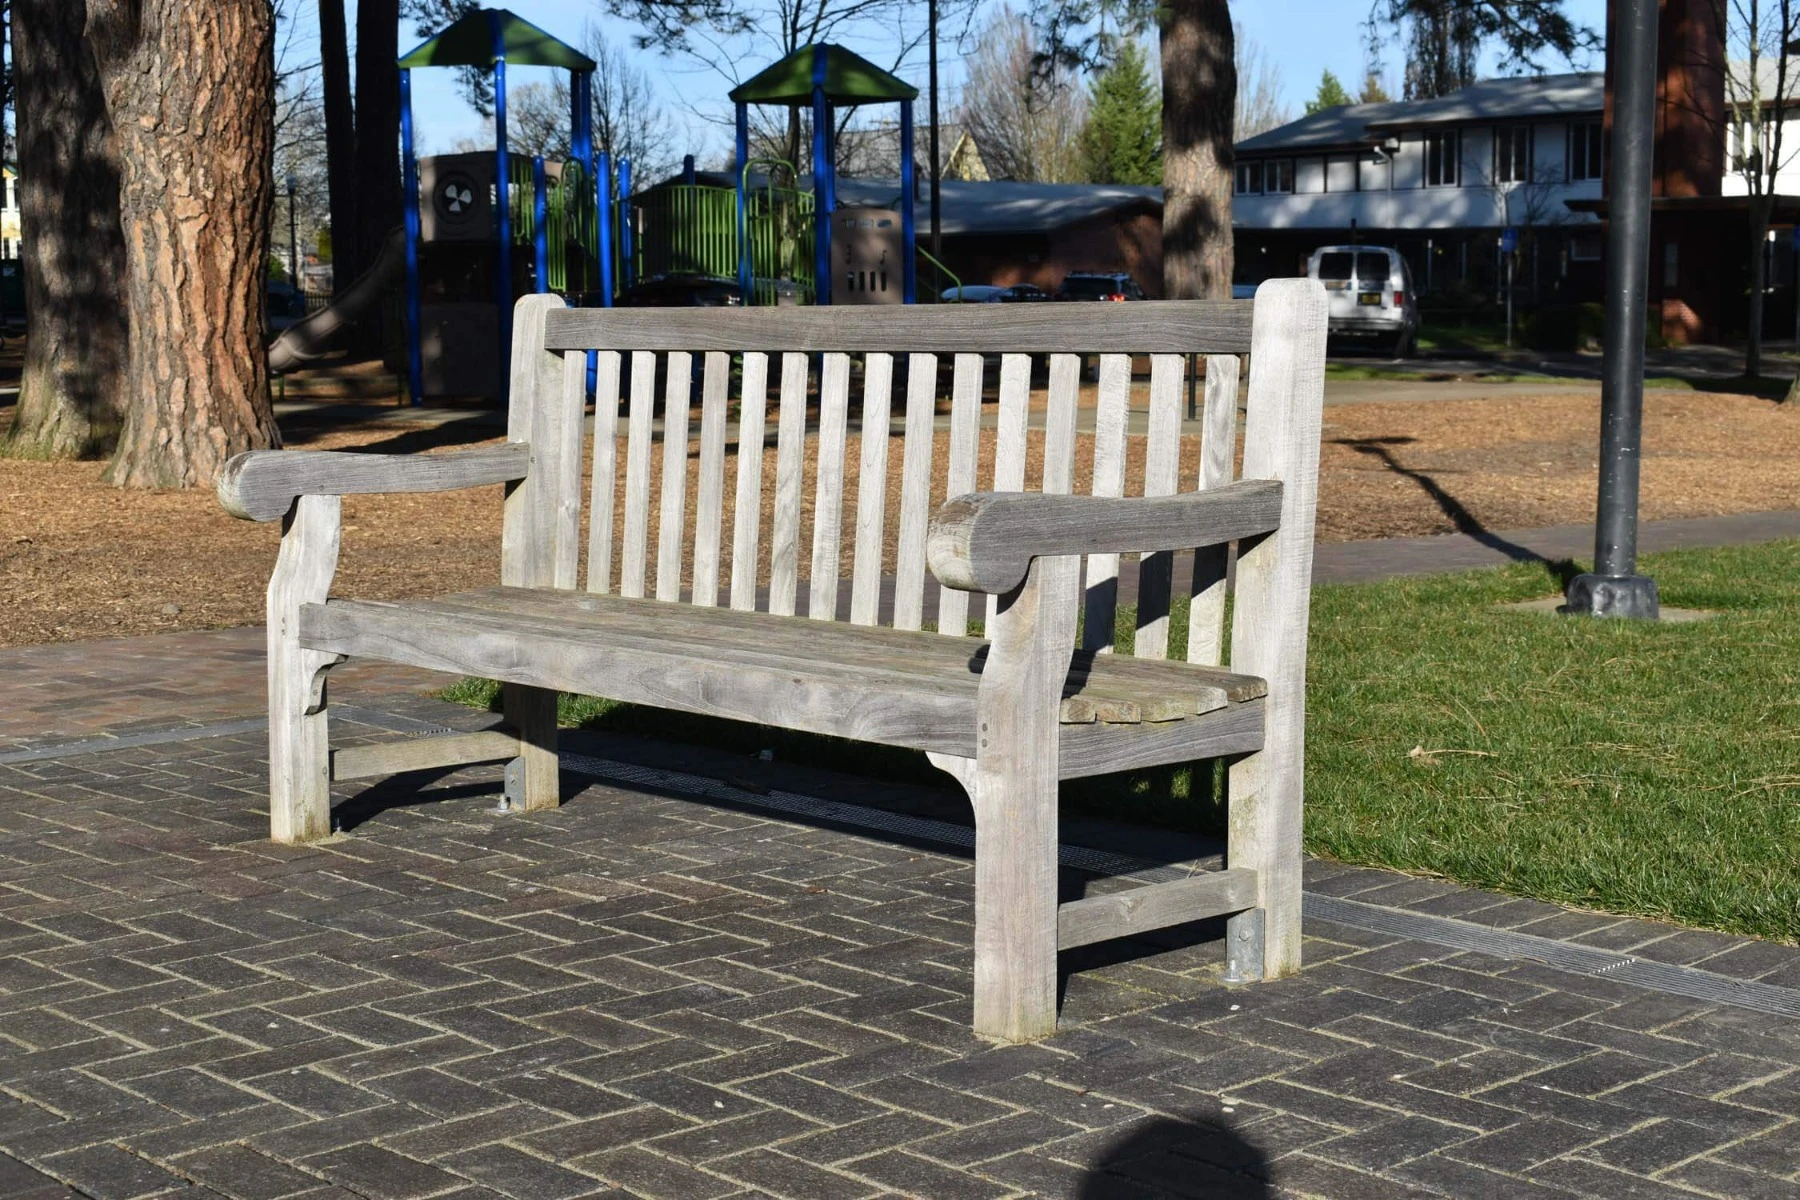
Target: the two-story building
(1439, 179)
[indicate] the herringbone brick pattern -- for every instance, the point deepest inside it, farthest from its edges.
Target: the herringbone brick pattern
(649, 995)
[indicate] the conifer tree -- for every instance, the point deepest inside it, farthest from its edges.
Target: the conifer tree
(1121, 141)
(1331, 94)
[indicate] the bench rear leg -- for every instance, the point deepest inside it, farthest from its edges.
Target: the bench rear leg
(299, 750)
(532, 780)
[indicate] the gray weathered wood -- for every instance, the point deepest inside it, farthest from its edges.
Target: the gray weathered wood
(262, 485)
(790, 470)
(299, 746)
(828, 492)
(965, 449)
(871, 489)
(1151, 327)
(915, 491)
(1089, 750)
(1111, 413)
(984, 541)
(541, 527)
(1218, 464)
(634, 552)
(709, 502)
(1162, 477)
(671, 535)
(532, 781)
(602, 506)
(1059, 424)
(1011, 434)
(1269, 613)
(747, 509)
(1154, 906)
(424, 754)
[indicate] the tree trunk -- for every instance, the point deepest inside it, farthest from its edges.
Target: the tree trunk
(72, 249)
(190, 89)
(377, 125)
(340, 142)
(1760, 207)
(1199, 81)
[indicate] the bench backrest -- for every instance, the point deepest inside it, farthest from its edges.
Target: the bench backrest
(798, 501)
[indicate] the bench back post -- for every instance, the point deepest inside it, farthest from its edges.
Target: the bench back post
(1274, 591)
(539, 541)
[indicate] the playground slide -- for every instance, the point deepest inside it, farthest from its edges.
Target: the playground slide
(309, 340)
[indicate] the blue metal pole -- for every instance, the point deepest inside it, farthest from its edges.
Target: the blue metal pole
(605, 239)
(415, 359)
(627, 268)
(823, 197)
(503, 296)
(745, 281)
(540, 211)
(909, 230)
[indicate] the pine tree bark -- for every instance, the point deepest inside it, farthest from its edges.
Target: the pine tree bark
(73, 250)
(190, 90)
(340, 141)
(1199, 80)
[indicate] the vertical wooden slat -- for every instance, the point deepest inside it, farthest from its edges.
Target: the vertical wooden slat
(1162, 476)
(709, 502)
(1009, 442)
(1110, 416)
(871, 488)
(640, 431)
(1218, 443)
(790, 470)
(915, 491)
(1059, 424)
(828, 493)
(965, 450)
(601, 501)
(671, 532)
(747, 518)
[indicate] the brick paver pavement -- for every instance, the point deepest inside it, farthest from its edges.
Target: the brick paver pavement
(658, 995)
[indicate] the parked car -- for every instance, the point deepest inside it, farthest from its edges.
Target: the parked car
(1370, 293)
(1243, 291)
(1099, 285)
(972, 293)
(1022, 293)
(682, 291)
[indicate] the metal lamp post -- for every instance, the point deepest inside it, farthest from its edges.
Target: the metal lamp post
(1614, 588)
(293, 185)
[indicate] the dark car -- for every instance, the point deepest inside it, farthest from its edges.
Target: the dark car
(682, 291)
(1022, 293)
(1099, 285)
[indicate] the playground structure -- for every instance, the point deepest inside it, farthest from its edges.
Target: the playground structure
(482, 229)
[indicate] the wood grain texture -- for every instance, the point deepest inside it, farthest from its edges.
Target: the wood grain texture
(747, 510)
(602, 505)
(790, 467)
(1218, 465)
(299, 745)
(422, 754)
(915, 491)
(1011, 433)
(533, 780)
(1148, 327)
(262, 485)
(1111, 413)
(541, 525)
(671, 534)
(1162, 477)
(871, 489)
(984, 542)
(709, 502)
(965, 450)
(1274, 589)
(1154, 906)
(1089, 750)
(634, 552)
(1060, 413)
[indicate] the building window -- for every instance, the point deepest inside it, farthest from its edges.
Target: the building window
(1585, 158)
(1512, 154)
(1278, 176)
(1442, 151)
(1250, 178)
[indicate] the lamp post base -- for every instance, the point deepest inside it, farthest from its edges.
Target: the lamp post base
(1632, 596)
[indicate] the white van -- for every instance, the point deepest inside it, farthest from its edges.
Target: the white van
(1371, 294)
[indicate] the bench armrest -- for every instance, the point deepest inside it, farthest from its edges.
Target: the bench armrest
(262, 485)
(985, 542)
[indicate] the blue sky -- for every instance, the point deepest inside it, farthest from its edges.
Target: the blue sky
(1305, 37)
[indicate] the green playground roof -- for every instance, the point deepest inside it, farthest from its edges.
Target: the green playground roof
(849, 79)
(470, 43)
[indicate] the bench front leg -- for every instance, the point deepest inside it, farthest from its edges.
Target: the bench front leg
(532, 779)
(299, 751)
(1013, 789)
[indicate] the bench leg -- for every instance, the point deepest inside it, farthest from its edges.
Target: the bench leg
(299, 753)
(532, 780)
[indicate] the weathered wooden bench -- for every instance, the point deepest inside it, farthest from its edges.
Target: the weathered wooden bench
(1009, 717)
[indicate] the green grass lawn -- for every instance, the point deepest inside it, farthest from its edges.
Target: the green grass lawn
(1644, 769)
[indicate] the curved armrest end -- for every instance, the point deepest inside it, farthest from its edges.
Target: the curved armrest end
(239, 494)
(262, 485)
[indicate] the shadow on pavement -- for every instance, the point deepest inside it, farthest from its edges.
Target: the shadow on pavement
(1184, 1158)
